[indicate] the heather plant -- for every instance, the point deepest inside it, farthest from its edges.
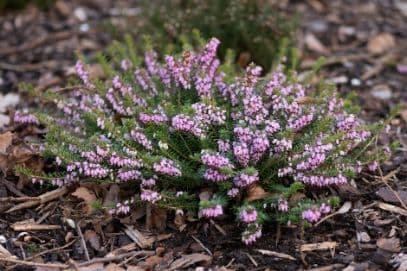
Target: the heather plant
(191, 134)
(255, 29)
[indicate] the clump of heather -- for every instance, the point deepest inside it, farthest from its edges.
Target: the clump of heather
(262, 146)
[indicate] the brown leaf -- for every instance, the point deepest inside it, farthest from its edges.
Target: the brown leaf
(96, 71)
(93, 239)
(205, 194)
(86, 195)
(244, 59)
(381, 43)
(5, 141)
(112, 196)
(190, 259)
(113, 267)
(92, 267)
(388, 195)
(389, 244)
(153, 261)
(314, 44)
(158, 218)
(256, 192)
(179, 220)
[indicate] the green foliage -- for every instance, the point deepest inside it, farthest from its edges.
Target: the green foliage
(255, 29)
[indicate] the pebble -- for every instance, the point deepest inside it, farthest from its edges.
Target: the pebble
(382, 92)
(355, 82)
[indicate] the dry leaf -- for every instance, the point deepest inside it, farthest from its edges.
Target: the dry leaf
(9, 100)
(389, 244)
(314, 44)
(179, 220)
(205, 194)
(112, 196)
(388, 195)
(93, 239)
(381, 43)
(188, 260)
(256, 192)
(92, 267)
(113, 267)
(5, 141)
(153, 261)
(392, 208)
(86, 195)
(158, 218)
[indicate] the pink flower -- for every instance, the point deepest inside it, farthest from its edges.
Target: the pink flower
(167, 167)
(311, 215)
(248, 215)
(211, 212)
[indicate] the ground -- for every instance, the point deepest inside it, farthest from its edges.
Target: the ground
(364, 43)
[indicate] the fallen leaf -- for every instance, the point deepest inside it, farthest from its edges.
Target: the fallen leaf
(179, 220)
(112, 196)
(388, 195)
(256, 192)
(190, 259)
(205, 194)
(345, 208)
(5, 141)
(86, 195)
(382, 92)
(4, 120)
(392, 208)
(93, 267)
(363, 237)
(158, 218)
(389, 244)
(96, 71)
(9, 100)
(93, 239)
(381, 43)
(399, 261)
(113, 267)
(314, 44)
(153, 261)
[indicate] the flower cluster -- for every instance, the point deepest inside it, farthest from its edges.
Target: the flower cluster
(184, 125)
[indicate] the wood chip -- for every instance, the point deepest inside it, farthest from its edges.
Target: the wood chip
(140, 239)
(389, 244)
(381, 43)
(190, 259)
(318, 246)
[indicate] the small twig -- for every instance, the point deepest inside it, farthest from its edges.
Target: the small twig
(219, 228)
(118, 257)
(252, 260)
(51, 250)
(78, 229)
(34, 227)
(28, 263)
(12, 188)
(44, 198)
(202, 245)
